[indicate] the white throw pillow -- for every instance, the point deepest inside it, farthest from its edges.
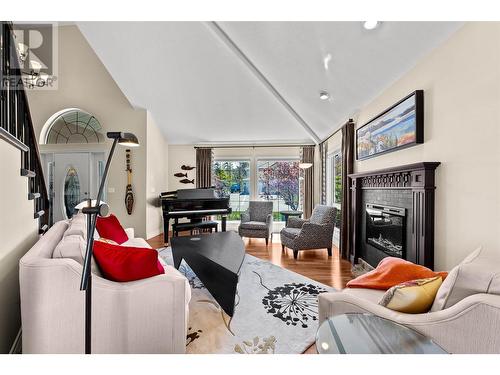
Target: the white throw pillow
(78, 226)
(73, 247)
(477, 273)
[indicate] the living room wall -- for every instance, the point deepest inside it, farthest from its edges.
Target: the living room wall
(84, 82)
(156, 176)
(18, 232)
(460, 80)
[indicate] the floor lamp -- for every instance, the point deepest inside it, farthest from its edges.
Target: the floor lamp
(101, 209)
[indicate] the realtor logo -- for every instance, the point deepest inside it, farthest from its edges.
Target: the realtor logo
(35, 46)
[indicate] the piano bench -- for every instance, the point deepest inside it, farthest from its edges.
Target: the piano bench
(182, 227)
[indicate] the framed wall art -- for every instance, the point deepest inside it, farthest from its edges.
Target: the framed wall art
(398, 127)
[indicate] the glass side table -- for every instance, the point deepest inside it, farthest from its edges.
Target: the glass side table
(369, 334)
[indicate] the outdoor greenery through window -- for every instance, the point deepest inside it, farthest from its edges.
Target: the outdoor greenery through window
(337, 172)
(334, 178)
(278, 181)
(232, 179)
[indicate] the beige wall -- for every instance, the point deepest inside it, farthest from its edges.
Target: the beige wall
(157, 176)
(461, 80)
(18, 232)
(83, 82)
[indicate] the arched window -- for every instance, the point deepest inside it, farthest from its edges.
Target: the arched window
(71, 126)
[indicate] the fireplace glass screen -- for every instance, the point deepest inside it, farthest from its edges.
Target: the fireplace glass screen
(385, 229)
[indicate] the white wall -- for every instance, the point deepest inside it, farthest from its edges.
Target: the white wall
(156, 175)
(83, 82)
(461, 83)
(18, 232)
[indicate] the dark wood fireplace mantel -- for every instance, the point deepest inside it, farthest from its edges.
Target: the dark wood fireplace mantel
(419, 178)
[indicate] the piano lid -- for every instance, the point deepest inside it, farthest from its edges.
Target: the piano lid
(208, 193)
(190, 194)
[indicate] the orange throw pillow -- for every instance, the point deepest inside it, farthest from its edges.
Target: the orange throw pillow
(393, 271)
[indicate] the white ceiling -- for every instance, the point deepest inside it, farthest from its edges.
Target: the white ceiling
(200, 91)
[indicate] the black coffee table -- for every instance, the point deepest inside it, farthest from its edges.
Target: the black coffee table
(216, 259)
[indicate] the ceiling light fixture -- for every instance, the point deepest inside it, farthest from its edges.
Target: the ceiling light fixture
(324, 95)
(371, 25)
(326, 61)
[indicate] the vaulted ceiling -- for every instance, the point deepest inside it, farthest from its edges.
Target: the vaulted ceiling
(257, 82)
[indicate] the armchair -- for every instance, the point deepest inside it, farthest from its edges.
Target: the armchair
(257, 221)
(315, 233)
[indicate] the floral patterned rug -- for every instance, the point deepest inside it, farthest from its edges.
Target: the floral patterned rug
(276, 312)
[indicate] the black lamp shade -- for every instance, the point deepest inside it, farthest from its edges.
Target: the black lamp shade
(124, 139)
(128, 139)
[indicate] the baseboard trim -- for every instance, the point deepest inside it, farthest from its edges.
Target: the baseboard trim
(16, 347)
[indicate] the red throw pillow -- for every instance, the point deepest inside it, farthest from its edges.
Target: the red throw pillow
(109, 227)
(123, 263)
(393, 271)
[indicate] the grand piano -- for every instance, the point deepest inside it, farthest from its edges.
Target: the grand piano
(192, 204)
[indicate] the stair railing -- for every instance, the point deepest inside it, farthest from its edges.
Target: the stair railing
(16, 125)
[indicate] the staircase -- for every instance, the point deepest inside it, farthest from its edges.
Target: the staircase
(16, 126)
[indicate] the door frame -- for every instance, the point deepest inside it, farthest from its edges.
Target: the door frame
(48, 152)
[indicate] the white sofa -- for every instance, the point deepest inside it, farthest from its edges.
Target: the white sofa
(144, 316)
(470, 324)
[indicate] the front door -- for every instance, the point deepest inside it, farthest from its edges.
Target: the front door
(71, 183)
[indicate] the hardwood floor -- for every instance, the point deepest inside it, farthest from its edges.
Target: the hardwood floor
(314, 264)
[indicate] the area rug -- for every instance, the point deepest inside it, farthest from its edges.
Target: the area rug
(276, 311)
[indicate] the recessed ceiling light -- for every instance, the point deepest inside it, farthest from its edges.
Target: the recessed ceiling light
(370, 25)
(324, 95)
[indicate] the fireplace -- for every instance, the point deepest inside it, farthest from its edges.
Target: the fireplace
(385, 229)
(393, 214)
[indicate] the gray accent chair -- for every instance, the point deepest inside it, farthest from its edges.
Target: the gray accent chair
(314, 233)
(257, 221)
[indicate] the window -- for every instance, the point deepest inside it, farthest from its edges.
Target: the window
(231, 178)
(278, 181)
(334, 178)
(71, 126)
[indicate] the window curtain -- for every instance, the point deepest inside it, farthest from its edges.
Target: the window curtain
(308, 157)
(323, 149)
(203, 167)
(348, 143)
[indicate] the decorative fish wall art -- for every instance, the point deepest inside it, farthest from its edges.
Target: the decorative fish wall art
(187, 168)
(186, 181)
(181, 175)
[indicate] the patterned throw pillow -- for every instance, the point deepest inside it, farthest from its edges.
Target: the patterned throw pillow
(412, 297)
